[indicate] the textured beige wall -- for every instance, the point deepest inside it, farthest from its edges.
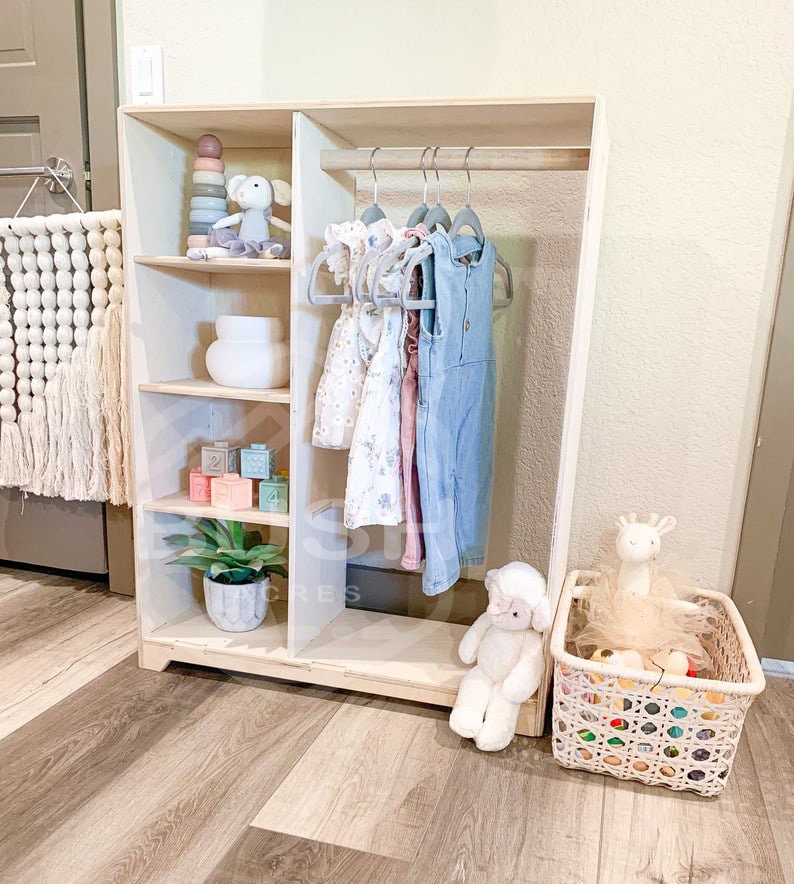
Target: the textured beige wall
(698, 98)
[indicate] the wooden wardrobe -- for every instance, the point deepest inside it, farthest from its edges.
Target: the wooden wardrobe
(310, 635)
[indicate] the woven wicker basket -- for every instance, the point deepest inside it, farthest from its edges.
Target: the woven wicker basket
(678, 732)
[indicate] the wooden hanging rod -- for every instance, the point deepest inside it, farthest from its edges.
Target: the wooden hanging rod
(508, 159)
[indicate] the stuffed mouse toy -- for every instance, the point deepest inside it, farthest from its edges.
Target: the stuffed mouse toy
(507, 645)
(255, 195)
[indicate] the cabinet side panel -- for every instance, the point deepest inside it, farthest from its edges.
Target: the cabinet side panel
(318, 540)
(577, 374)
(167, 316)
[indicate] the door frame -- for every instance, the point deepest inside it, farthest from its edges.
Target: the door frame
(101, 101)
(772, 464)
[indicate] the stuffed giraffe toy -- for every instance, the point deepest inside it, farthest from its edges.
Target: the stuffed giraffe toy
(637, 545)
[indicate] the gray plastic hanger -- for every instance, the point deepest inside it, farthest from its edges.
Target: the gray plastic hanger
(368, 216)
(419, 212)
(408, 303)
(391, 256)
(360, 292)
(319, 298)
(467, 217)
(508, 299)
(374, 212)
(395, 251)
(424, 251)
(438, 214)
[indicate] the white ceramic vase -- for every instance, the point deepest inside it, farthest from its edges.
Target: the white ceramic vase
(236, 608)
(250, 352)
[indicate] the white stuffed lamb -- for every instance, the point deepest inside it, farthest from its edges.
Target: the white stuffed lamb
(507, 644)
(255, 195)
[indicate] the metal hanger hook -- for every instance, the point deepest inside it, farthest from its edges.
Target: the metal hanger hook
(374, 176)
(438, 177)
(424, 174)
(468, 178)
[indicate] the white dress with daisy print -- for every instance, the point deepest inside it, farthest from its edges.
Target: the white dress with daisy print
(374, 494)
(338, 397)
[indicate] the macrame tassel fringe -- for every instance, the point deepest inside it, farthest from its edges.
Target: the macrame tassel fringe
(59, 426)
(76, 461)
(48, 479)
(64, 433)
(65, 443)
(40, 450)
(25, 434)
(92, 384)
(12, 455)
(111, 399)
(126, 429)
(71, 468)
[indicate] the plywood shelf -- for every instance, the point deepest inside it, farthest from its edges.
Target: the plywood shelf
(194, 629)
(396, 656)
(216, 265)
(389, 647)
(458, 122)
(357, 644)
(237, 126)
(180, 504)
(208, 389)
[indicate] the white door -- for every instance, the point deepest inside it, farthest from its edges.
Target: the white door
(41, 115)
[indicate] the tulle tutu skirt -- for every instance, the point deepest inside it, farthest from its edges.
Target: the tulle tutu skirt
(648, 625)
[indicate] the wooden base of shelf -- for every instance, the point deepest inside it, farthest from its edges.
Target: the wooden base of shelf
(216, 265)
(386, 654)
(180, 504)
(208, 389)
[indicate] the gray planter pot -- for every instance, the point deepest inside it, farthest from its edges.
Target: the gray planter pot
(237, 608)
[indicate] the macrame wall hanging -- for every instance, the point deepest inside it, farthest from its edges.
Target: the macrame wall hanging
(64, 429)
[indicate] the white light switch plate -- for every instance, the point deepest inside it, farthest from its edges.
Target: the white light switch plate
(146, 74)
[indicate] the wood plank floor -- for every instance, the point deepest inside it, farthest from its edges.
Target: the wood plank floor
(56, 635)
(374, 775)
(195, 775)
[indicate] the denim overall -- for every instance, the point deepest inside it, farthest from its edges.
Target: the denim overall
(455, 414)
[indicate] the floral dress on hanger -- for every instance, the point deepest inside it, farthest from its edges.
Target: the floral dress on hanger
(374, 494)
(338, 397)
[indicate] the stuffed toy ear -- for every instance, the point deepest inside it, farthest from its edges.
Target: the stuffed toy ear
(234, 182)
(282, 192)
(666, 524)
(491, 578)
(541, 616)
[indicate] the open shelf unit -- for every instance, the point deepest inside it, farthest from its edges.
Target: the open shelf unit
(172, 304)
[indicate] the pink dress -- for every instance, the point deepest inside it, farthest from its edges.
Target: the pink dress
(409, 395)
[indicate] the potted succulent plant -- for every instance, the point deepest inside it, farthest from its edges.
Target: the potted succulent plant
(236, 566)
